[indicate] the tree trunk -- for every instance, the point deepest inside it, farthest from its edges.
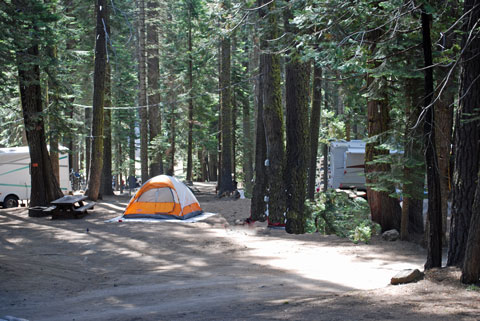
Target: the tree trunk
(414, 168)
(248, 152)
(434, 217)
(471, 264)
(325, 167)
(52, 107)
(171, 152)
(213, 166)
(142, 93)
(273, 120)
(88, 140)
(325, 146)
(131, 143)
(314, 129)
(444, 107)
(297, 85)
(385, 210)
(348, 127)
(226, 183)
(45, 187)
(466, 139)
(234, 136)
(190, 98)
(96, 162)
(154, 117)
(202, 170)
(297, 99)
(107, 178)
(219, 135)
(247, 145)
(258, 206)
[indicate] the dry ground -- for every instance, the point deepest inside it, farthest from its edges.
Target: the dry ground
(87, 269)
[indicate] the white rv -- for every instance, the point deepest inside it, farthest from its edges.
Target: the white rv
(15, 181)
(347, 163)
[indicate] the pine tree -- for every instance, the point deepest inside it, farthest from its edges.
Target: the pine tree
(226, 183)
(142, 91)
(153, 74)
(434, 217)
(464, 233)
(96, 164)
(314, 129)
(297, 85)
(273, 116)
(32, 15)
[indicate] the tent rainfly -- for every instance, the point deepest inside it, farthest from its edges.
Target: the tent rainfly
(163, 197)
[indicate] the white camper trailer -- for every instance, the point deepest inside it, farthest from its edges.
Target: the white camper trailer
(15, 181)
(347, 163)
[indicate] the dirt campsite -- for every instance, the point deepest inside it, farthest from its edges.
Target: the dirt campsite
(211, 269)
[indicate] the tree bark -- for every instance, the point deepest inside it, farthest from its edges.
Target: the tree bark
(107, 178)
(250, 66)
(154, 117)
(297, 84)
(258, 206)
(171, 152)
(273, 119)
(219, 135)
(234, 135)
(45, 187)
(414, 168)
(384, 209)
(434, 217)
(96, 163)
(52, 107)
(190, 98)
(226, 183)
(297, 99)
(88, 140)
(466, 139)
(142, 93)
(314, 129)
(325, 146)
(470, 101)
(471, 264)
(131, 143)
(444, 107)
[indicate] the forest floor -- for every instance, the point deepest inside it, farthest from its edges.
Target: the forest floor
(214, 269)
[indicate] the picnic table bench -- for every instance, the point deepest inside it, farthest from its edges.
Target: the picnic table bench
(69, 206)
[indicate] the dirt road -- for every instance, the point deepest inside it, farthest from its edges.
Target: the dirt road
(88, 269)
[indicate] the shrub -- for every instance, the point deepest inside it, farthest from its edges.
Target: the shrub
(335, 213)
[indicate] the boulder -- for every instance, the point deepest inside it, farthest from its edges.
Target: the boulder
(407, 276)
(391, 235)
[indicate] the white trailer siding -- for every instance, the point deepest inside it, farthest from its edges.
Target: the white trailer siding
(354, 173)
(15, 173)
(347, 164)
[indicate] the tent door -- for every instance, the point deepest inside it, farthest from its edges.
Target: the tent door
(165, 201)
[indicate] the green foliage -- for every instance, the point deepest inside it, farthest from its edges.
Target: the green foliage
(335, 213)
(473, 287)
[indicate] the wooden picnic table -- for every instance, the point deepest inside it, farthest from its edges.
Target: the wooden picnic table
(69, 206)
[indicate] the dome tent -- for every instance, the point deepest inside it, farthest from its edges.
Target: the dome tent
(163, 197)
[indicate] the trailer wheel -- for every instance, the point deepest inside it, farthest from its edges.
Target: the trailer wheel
(10, 201)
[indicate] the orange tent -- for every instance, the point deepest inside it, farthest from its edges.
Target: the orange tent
(163, 197)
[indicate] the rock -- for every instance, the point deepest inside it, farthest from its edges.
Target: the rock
(391, 235)
(239, 222)
(407, 276)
